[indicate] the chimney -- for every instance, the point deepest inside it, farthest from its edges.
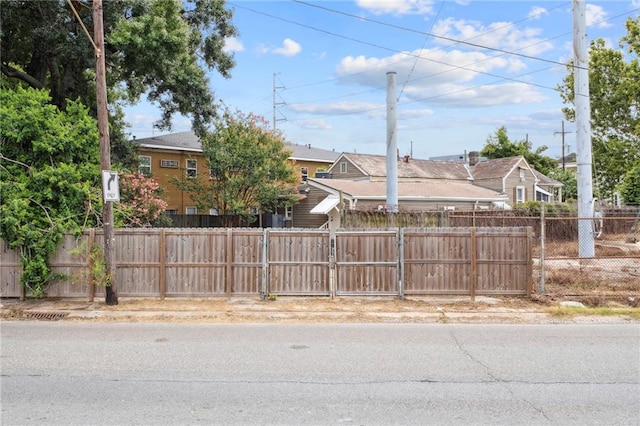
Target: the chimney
(474, 157)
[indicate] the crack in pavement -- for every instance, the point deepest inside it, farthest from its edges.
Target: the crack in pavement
(496, 379)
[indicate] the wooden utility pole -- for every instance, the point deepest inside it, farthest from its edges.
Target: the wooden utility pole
(563, 153)
(111, 295)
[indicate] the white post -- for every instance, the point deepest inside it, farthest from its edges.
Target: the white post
(586, 245)
(392, 145)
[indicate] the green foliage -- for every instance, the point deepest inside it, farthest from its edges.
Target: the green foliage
(614, 89)
(499, 146)
(43, 46)
(49, 166)
(249, 168)
(630, 187)
(140, 203)
(569, 180)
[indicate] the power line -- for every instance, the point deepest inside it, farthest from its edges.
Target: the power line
(390, 49)
(429, 34)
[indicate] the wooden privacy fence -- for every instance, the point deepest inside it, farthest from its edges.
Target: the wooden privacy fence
(172, 262)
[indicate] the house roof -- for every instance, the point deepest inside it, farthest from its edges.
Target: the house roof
(408, 190)
(183, 141)
(188, 141)
(309, 153)
(496, 168)
(376, 166)
(546, 180)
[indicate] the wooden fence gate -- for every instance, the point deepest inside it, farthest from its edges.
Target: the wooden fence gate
(181, 262)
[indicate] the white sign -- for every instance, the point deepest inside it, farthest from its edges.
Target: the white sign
(110, 186)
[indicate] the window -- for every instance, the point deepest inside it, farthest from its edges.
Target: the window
(144, 165)
(171, 212)
(192, 168)
(520, 194)
(192, 210)
(304, 171)
(343, 167)
(213, 174)
(213, 211)
(288, 212)
(170, 164)
(521, 174)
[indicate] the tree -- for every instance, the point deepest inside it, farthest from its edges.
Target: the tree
(499, 146)
(630, 187)
(249, 168)
(614, 90)
(49, 167)
(569, 182)
(161, 48)
(140, 203)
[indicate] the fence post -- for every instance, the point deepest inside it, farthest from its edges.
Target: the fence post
(400, 240)
(229, 267)
(473, 280)
(265, 264)
(542, 254)
(92, 284)
(332, 262)
(163, 264)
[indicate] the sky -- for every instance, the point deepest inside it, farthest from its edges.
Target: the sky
(463, 69)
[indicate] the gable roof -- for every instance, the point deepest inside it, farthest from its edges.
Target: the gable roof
(546, 180)
(408, 190)
(183, 141)
(309, 153)
(376, 166)
(498, 167)
(188, 141)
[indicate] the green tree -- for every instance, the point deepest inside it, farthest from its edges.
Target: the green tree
(614, 90)
(141, 204)
(49, 167)
(498, 145)
(569, 181)
(249, 168)
(630, 186)
(160, 48)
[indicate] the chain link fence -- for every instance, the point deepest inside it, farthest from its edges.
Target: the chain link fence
(597, 256)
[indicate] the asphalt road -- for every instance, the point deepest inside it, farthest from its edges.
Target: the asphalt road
(63, 373)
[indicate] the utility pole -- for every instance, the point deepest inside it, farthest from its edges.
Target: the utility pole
(275, 104)
(563, 154)
(111, 296)
(586, 243)
(392, 144)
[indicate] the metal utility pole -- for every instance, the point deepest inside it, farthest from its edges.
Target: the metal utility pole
(563, 154)
(111, 297)
(392, 145)
(586, 244)
(275, 104)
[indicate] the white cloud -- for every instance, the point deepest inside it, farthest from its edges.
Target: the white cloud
(537, 12)
(314, 124)
(458, 96)
(339, 108)
(232, 44)
(596, 16)
(397, 7)
(289, 48)
(435, 67)
(499, 35)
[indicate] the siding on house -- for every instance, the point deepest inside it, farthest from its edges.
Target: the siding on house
(186, 145)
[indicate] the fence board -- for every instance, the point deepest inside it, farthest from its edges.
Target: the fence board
(367, 262)
(10, 272)
(244, 261)
(298, 262)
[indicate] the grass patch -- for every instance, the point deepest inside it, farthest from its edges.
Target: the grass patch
(570, 312)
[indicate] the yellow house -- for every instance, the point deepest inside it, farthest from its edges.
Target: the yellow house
(180, 154)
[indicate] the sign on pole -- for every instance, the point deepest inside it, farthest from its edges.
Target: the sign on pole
(110, 186)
